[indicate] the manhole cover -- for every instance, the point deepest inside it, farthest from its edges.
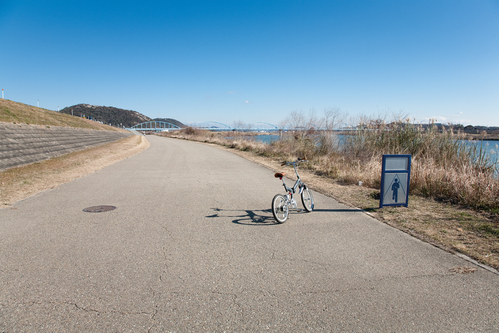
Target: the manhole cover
(99, 209)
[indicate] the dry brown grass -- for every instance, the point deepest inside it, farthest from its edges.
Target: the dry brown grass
(19, 113)
(22, 182)
(444, 167)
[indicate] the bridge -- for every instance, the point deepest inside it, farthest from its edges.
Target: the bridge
(221, 127)
(258, 127)
(155, 126)
(160, 126)
(264, 127)
(212, 126)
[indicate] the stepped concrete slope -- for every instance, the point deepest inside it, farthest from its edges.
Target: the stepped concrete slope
(25, 144)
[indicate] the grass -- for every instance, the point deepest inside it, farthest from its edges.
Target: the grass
(488, 229)
(454, 196)
(19, 113)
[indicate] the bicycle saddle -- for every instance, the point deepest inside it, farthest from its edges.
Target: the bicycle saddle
(279, 175)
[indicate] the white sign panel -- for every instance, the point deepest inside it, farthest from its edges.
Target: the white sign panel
(395, 188)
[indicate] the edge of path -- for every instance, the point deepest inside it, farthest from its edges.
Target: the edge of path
(322, 186)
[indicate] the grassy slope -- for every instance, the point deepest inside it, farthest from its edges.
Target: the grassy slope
(21, 182)
(19, 113)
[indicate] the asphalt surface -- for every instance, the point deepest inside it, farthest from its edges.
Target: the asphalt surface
(192, 246)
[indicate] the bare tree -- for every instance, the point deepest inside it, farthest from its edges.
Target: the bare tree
(296, 120)
(332, 117)
(239, 124)
(313, 122)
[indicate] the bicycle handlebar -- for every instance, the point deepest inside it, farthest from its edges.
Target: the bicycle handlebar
(291, 163)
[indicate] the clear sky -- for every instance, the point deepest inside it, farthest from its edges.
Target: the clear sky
(254, 60)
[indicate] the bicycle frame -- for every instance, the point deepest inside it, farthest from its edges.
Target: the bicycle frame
(282, 203)
(298, 184)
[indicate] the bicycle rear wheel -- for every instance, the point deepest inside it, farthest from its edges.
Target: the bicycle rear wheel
(307, 199)
(280, 208)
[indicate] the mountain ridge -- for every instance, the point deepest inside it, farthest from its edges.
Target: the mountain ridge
(113, 116)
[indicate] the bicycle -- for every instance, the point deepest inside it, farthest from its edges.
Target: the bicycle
(282, 203)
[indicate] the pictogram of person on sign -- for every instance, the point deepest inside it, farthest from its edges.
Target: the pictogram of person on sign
(395, 189)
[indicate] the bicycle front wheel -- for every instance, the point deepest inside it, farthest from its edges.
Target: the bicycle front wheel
(307, 199)
(280, 208)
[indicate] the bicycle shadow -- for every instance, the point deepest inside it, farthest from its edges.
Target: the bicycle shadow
(265, 217)
(246, 217)
(342, 210)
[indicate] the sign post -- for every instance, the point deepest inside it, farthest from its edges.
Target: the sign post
(395, 179)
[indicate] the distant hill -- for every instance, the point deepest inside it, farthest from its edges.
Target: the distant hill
(107, 114)
(114, 116)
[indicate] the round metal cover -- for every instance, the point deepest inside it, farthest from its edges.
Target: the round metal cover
(99, 209)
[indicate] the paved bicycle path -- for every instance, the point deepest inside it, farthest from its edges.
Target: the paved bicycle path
(192, 246)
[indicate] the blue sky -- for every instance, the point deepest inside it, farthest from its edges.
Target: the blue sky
(252, 61)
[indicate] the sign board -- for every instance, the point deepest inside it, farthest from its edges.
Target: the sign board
(395, 179)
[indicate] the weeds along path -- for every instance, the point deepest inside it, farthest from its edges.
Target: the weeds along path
(447, 226)
(25, 181)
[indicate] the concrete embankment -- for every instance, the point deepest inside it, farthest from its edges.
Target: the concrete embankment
(25, 144)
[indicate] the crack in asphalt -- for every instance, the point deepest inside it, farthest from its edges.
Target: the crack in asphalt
(82, 308)
(167, 260)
